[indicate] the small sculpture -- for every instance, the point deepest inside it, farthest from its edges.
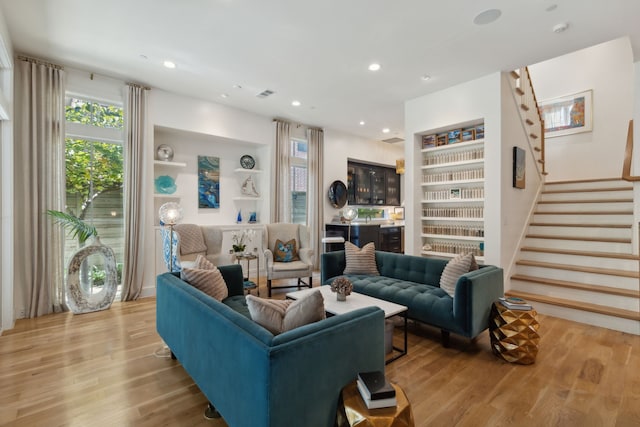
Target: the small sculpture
(249, 188)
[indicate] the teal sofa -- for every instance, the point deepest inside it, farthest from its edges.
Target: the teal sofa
(415, 282)
(254, 378)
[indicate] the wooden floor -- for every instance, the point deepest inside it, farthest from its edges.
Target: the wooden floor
(101, 369)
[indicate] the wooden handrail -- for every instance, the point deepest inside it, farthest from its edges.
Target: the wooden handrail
(628, 156)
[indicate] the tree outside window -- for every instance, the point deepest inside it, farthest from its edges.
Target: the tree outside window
(299, 179)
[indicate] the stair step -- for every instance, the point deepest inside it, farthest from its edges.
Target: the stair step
(515, 75)
(558, 202)
(533, 135)
(585, 213)
(581, 181)
(519, 91)
(582, 253)
(529, 122)
(593, 270)
(584, 306)
(560, 224)
(524, 107)
(587, 190)
(632, 293)
(580, 238)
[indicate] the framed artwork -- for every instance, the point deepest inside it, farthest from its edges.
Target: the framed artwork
(519, 167)
(568, 114)
(428, 141)
(468, 134)
(454, 136)
(208, 182)
(441, 139)
(455, 193)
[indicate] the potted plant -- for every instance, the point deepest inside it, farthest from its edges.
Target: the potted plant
(240, 240)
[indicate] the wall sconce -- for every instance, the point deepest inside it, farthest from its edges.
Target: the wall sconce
(400, 166)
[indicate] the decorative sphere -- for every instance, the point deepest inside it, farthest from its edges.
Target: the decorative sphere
(350, 214)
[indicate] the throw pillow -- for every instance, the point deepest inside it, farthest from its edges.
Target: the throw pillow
(202, 263)
(360, 261)
(285, 252)
(455, 268)
(210, 281)
(279, 316)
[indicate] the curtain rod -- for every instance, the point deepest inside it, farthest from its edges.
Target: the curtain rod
(298, 124)
(40, 62)
(138, 86)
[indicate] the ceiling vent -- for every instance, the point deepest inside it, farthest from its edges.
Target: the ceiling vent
(265, 93)
(393, 140)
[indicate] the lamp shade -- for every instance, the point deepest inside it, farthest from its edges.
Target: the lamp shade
(170, 213)
(350, 214)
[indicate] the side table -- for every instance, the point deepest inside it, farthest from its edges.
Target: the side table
(352, 410)
(248, 284)
(514, 334)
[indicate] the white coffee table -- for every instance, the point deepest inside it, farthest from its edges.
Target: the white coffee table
(356, 301)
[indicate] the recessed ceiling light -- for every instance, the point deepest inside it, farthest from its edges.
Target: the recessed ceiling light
(169, 64)
(361, 122)
(426, 77)
(224, 95)
(487, 17)
(386, 130)
(295, 103)
(551, 8)
(374, 67)
(560, 28)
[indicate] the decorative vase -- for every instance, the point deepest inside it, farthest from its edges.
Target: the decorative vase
(78, 298)
(340, 296)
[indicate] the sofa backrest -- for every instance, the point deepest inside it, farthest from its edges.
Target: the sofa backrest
(411, 268)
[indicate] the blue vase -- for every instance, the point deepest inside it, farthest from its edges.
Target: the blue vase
(239, 218)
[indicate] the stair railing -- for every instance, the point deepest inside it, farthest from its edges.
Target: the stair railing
(530, 114)
(628, 156)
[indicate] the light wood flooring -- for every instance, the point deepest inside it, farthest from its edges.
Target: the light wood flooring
(100, 369)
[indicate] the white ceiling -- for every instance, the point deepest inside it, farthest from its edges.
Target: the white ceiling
(316, 52)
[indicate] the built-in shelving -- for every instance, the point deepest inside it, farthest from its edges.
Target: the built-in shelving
(452, 202)
(169, 164)
(242, 170)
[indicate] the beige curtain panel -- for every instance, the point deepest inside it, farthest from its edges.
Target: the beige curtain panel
(39, 176)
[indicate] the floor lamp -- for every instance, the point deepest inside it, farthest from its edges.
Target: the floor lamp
(350, 214)
(170, 214)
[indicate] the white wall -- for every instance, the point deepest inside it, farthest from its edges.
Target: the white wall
(6, 171)
(607, 69)
(339, 147)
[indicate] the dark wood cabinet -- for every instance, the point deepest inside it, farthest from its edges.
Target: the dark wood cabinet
(372, 185)
(387, 239)
(391, 239)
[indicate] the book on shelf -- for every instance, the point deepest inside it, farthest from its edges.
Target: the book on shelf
(514, 303)
(376, 385)
(375, 403)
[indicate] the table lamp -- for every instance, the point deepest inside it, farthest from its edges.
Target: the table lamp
(170, 213)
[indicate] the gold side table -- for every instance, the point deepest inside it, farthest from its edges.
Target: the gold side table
(353, 412)
(514, 334)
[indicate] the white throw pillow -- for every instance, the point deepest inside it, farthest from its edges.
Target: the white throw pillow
(455, 268)
(279, 316)
(360, 261)
(209, 281)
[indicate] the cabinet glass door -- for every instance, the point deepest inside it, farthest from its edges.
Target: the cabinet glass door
(393, 187)
(351, 185)
(363, 186)
(378, 182)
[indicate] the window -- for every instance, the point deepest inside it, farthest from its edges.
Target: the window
(298, 175)
(94, 175)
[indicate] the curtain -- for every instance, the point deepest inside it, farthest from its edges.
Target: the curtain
(39, 175)
(280, 205)
(315, 196)
(135, 114)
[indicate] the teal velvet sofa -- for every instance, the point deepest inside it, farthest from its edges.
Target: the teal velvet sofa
(254, 378)
(415, 282)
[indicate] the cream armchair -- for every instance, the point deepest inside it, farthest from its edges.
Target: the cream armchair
(293, 269)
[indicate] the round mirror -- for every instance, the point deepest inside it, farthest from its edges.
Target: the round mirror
(338, 194)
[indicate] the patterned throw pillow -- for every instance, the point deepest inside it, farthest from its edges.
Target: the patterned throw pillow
(279, 316)
(203, 263)
(360, 261)
(455, 268)
(285, 252)
(209, 281)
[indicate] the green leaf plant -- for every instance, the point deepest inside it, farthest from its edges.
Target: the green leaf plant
(77, 228)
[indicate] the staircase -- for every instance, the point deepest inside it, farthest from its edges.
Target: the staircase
(576, 261)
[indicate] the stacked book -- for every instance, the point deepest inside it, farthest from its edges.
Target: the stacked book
(514, 303)
(375, 390)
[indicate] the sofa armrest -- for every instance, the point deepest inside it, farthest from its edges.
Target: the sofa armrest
(306, 255)
(332, 264)
(233, 277)
(268, 259)
(475, 292)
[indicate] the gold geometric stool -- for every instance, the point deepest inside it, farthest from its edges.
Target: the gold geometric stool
(514, 334)
(352, 411)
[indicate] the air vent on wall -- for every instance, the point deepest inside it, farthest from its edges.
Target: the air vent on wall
(392, 140)
(265, 93)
